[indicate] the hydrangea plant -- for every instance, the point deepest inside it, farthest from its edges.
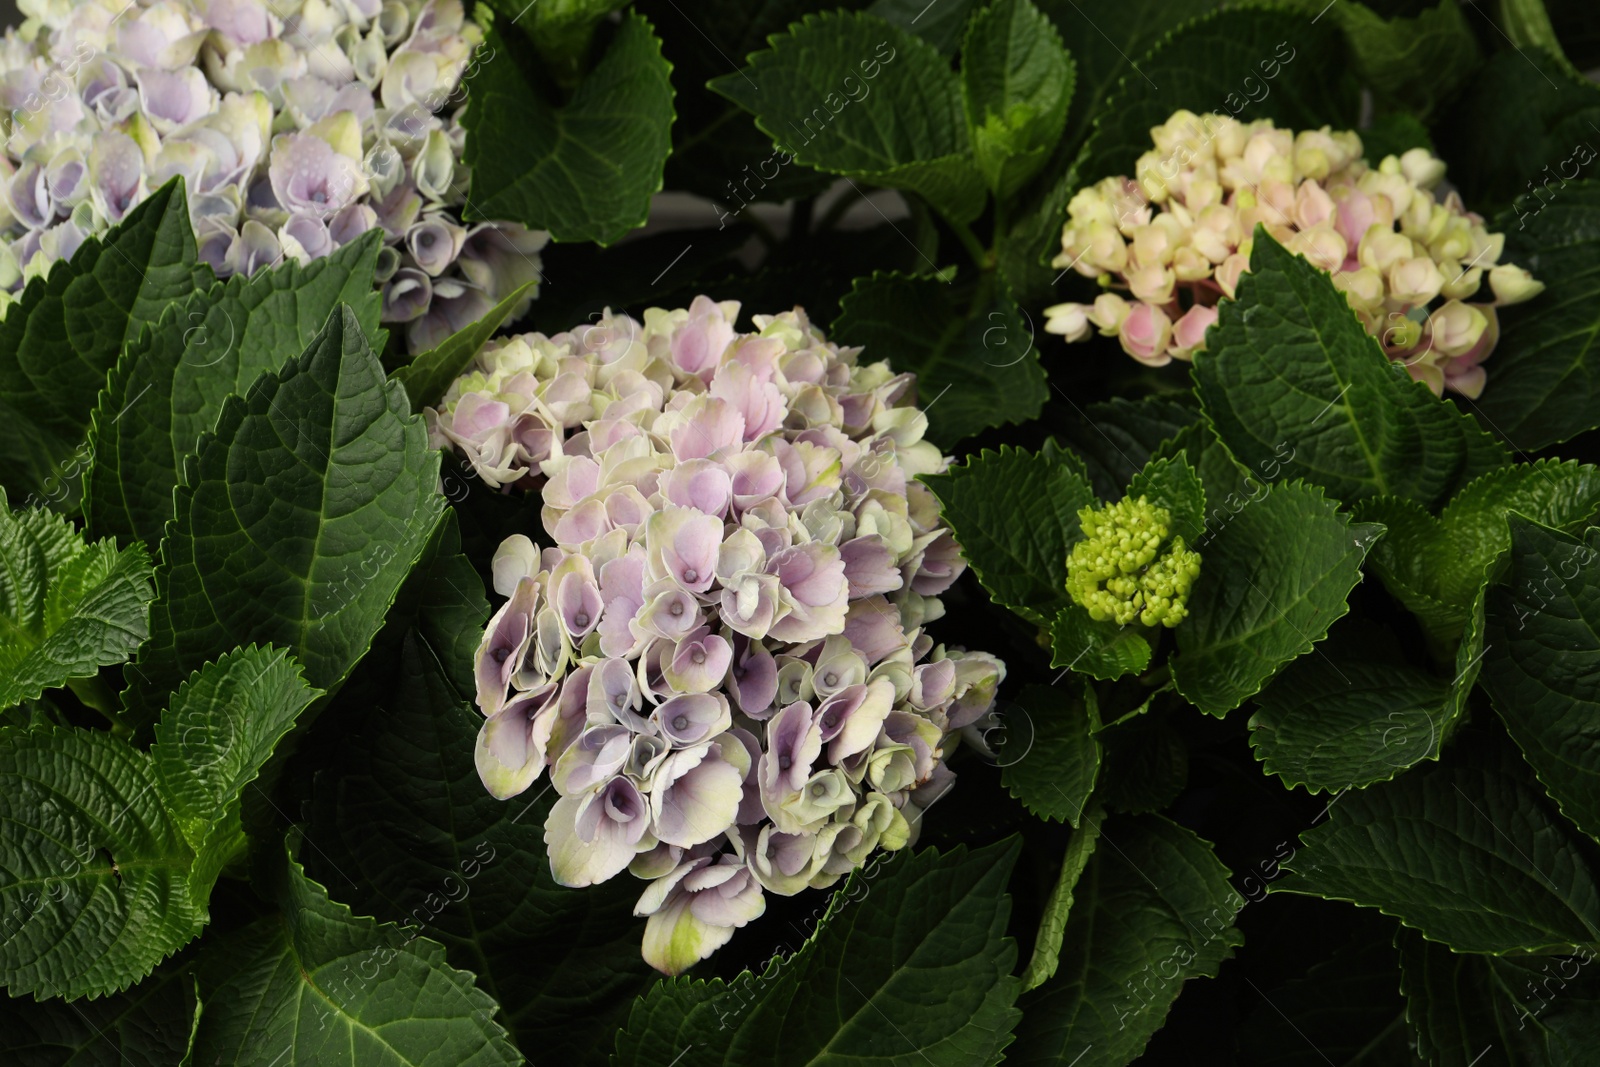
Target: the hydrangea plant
(364, 706)
(296, 126)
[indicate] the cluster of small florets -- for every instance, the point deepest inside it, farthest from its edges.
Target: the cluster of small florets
(1178, 235)
(722, 658)
(296, 125)
(1120, 571)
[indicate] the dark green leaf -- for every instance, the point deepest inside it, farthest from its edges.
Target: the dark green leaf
(911, 969)
(1117, 437)
(64, 333)
(298, 522)
(584, 170)
(402, 812)
(1101, 650)
(940, 24)
(1016, 85)
(1542, 662)
(1272, 580)
(1332, 722)
(809, 92)
(1487, 1011)
(1523, 111)
(1345, 1010)
(979, 369)
(1015, 514)
(1436, 566)
(1152, 910)
(1054, 772)
(1145, 762)
(319, 985)
(151, 1025)
(1544, 383)
(1289, 364)
(1469, 855)
(1413, 62)
(169, 386)
(94, 875)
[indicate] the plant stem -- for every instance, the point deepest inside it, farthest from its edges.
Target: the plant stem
(94, 693)
(1047, 949)
(980, 255)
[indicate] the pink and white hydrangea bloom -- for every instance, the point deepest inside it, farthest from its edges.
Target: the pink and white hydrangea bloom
(720, 653)
(296, 126)
(1177, 236)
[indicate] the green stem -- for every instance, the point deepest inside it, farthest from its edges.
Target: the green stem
(980, 255)
(1047, 949)
(94, 693)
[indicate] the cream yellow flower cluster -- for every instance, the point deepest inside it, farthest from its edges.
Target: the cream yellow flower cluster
(1177, 236)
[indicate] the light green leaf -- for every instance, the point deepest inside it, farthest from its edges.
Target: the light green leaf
(1144, 761)
(1289, 363)
(1171, 482)
(428, 376)
(977, 369)
(1054, 773)
(1272, 580)
(1015, 514)
(1436, 566)
(911, 968)
(1053, 923)
(1102, 650)
(407, 832)
(109, 853)
(1332, 721)
(1153, 909)
(809, 92)
(1469, 855)
(1489, 1011)
(584, 170)
(64, 333)
(1542, 662)
(67, 608)
(94, 874)
(319, 985)
(170, 384)
(1544, 383)
(1016, 86)
(150, 1025)
(299, 521)
(216, 734)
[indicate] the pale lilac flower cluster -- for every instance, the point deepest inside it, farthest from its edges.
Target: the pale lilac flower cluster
(297, 126)
(722, 658)
(1178, 235)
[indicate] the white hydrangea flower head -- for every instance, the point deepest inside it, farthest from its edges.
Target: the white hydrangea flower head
(1177, 236)
(721, 658)
(296, 125)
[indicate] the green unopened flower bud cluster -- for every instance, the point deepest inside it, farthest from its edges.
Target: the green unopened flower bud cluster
(1126, 568)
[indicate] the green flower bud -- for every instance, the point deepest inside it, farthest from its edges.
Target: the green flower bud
(1126, 568)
